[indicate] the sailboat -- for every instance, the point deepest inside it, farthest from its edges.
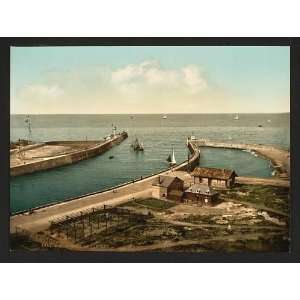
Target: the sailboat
(171, 158)
(236, 117)
(137, 145)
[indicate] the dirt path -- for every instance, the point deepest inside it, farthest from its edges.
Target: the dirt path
(40, 220)
(169, 244)
(224, 226)
(263, 181)
(258, 206)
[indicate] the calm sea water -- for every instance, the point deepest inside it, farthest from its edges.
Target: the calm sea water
(158, 136)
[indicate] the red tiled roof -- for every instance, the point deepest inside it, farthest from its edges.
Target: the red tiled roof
(164, 181)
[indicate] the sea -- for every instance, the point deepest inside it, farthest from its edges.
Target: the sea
(158, 135)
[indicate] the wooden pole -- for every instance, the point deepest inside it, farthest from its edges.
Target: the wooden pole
(75, 233)
(106, 220)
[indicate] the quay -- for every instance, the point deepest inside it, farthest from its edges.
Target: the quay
(52, 154)
(40, 218)
(279, 158)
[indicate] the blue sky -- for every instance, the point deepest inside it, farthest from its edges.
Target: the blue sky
(150, 79)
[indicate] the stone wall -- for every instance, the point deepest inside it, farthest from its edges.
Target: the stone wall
(66, 159)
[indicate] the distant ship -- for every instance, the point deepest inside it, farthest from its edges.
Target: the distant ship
(269, 121)
(164, 117)
(171, 158)
(236, 117)
(137, 145)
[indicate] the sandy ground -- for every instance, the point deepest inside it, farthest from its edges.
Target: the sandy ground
(40, 219)
(45, 152)
(263, 181)
(222, 214)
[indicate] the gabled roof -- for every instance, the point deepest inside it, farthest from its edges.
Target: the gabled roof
(164, 181)
(201, 189)
(215, 173)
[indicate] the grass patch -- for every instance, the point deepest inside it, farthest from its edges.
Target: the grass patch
(271, 197)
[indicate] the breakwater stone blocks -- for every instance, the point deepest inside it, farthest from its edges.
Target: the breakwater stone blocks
(63, 153)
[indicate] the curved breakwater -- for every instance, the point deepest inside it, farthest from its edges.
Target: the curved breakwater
(65, 159)
(44, 214)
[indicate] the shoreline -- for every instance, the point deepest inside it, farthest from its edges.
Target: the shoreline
(43, 214)
(279, 158)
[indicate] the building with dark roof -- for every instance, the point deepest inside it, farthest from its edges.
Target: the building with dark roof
(222, 178)
(167, 187)
(201, 194)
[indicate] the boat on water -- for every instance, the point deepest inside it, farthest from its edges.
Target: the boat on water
(137, 145)
(164, 117)
(171, 158)
(236, 117)
(269, 121)
(259, 125)
(111, 157)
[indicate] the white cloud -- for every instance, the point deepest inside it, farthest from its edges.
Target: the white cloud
(142, 87)
(193, 79)
(150, 75)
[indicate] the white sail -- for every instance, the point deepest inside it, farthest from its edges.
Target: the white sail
(173, 160)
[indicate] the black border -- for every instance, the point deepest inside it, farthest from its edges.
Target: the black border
(66, 256)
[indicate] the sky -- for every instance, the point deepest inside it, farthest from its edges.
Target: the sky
(150, 79)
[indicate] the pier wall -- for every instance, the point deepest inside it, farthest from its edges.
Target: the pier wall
(29, 147)
(279, 158)
(136, 185)
(66, 159)
(193, 162)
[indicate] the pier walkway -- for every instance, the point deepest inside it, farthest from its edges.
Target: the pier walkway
(279, 158)
(40, 218)
(53, 154)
